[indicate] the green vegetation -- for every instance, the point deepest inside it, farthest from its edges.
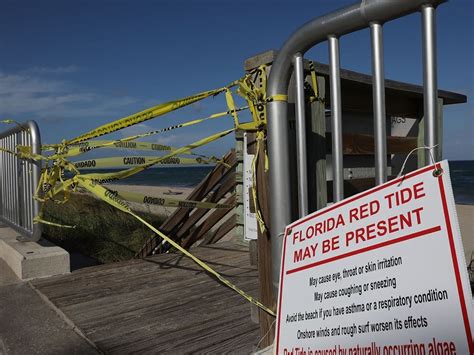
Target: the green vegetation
(102, 232)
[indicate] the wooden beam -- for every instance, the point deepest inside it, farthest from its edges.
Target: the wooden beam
(354, 186)
(221, 231)
(208, 223)
(264, 255)
(316, 149)
(179, 215)
(227, 186)
(363, 144)
(200, 192)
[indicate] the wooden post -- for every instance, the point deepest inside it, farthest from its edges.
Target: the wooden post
(316, 149)
(267, 325)
(264, 260)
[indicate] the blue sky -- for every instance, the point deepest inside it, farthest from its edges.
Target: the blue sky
(75, 65)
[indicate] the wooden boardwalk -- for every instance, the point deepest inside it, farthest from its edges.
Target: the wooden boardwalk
(163, 304)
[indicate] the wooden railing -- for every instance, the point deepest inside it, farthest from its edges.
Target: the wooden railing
(188, 226)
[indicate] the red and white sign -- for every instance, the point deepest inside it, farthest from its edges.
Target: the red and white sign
(382, 272)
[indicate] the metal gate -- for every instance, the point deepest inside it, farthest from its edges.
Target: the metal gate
(19, 179)
(364, 14)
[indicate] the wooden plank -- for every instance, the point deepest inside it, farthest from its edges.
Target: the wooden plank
(125, 313)
(260, 59)
(177, 217)
(227, 186)
(213, 178)
(264, 257)
(206, 226)
(363, 144)
(221, 231)
(251, 143)
(354, 186)
(316, 150)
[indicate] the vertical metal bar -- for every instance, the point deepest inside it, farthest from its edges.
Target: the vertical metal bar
(26, 180)
(12, 179)
(31, 189)
(9, 181)
(336, 119)
(16, 172)
(2, 179)
(36, 171)
(430, 80)
(24, 187)
(29, 199)
(301, 136)
(378, 90)
(279, 181)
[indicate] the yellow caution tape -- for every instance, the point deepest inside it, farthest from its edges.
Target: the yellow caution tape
(278, 97)
(10, 121)
(108, 177)
(145, 115)
(117, 162)
(52, 180)
(112, 199)
(124, 144)
(87, 146)
(313, 79)
(39, 219)
(166, 201)
(255, 97)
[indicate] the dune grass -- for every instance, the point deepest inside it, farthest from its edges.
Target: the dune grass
(102, 232)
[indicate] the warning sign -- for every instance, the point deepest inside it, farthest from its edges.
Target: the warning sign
(382, 272)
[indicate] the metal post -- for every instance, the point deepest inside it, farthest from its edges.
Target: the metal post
(279, 181)
(336, 120)
(301, 136)
(430, 81)
(378, 89)
(36, 171)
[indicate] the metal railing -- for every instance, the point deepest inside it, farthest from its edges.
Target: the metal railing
(18, 181)
(364, 14)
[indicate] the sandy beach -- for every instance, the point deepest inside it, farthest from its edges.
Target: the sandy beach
(466, 224)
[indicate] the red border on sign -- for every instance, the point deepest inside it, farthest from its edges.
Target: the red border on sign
(411, 236)
(467, 326)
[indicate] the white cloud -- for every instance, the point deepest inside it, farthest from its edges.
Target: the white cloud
(11, 84)
(53, 100)
(52, 70)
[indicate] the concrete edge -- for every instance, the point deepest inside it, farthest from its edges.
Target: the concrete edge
(64, 317)
(32, 260)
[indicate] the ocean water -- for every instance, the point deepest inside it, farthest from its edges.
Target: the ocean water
(462, 178)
